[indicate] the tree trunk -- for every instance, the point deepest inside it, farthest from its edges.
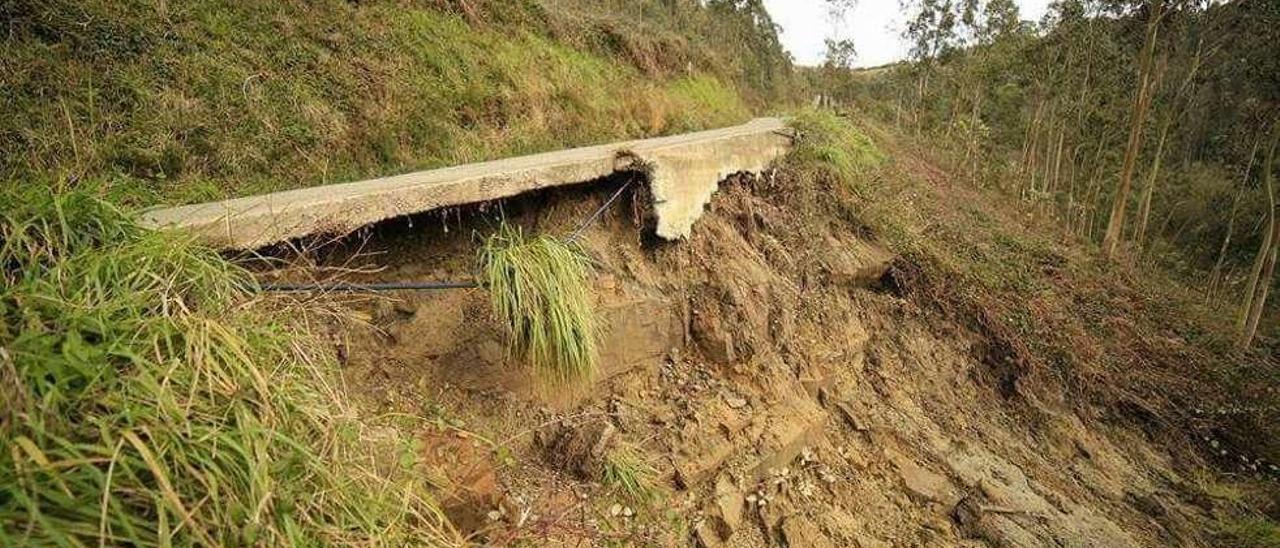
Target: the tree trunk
(1141, 104)
(1057, 162)
(1265, 265)
(1150, 190)
(1215, 279)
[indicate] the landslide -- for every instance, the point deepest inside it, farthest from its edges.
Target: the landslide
(815, 366)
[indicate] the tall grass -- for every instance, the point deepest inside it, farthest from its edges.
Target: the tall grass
(147, 402)
(539, 291)
(1250, 532)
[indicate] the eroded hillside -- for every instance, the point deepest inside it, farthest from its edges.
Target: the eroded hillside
(793, 374)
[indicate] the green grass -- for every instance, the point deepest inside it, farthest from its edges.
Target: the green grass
(826, 141)
(149, 401)
(625, 471)
(539, 289)
(698, 100)
(1251, 532)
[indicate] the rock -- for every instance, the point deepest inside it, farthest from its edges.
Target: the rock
(856, 263)
(734, 402)
(729, 501)
(706, 536)
(921, 484)
(850, 416)
(967, 513)
(712, 338)
(817, 379)
(693, 465)
(799, 532)
(466, 476)
(791, 426)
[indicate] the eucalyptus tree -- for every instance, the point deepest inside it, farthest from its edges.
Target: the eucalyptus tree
(1142, 97)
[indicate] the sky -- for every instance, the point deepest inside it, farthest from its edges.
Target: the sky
(875, 27)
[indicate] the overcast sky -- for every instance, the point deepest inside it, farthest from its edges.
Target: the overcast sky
(875, 27)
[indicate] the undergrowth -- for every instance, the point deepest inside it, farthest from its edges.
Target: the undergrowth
(149, 401)
(539, 289)
(1253, 532)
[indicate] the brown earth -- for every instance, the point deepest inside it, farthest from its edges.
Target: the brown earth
(770, 370)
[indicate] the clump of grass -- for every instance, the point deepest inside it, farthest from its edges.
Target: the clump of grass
(148, 402)
(539, 291)
(828, 141)
(626, 471)
(1251, 532)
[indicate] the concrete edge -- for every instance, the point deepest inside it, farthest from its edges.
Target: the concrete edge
(684, 172)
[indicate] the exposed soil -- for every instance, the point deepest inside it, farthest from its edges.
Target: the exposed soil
(770, 369)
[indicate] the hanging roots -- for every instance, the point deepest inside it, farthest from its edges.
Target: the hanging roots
(538, 288)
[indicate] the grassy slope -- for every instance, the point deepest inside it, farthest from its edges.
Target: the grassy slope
(149, 401)
(175, 102)
(1064, 327)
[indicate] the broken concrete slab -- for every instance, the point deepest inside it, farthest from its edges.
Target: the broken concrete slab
(684, 171)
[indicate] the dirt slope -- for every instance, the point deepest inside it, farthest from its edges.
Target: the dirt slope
(771, 370)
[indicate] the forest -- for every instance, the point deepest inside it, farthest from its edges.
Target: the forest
(1148, 129)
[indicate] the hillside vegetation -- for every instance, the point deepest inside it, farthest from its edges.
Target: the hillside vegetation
(149, 401)
(175, 102)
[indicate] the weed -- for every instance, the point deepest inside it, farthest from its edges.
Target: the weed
(1211, 486)
(539, 291)
(149, 402)
(626, 471)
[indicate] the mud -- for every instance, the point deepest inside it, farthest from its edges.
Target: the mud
(770, 370)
